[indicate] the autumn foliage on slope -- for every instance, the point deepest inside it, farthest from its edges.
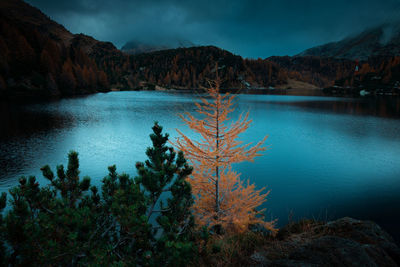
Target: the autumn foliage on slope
(39, 57)
(327, 71)
(189, 67)
(222, 198)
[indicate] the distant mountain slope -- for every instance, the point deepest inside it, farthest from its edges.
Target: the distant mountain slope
(319, 71)
(378, 72)
(191, 67)
(39, 57)
(134, 48)
(22, 14)
(24, 17)
(138, 47)
(383, 41)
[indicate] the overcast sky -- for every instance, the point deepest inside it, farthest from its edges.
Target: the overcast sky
(250, 28)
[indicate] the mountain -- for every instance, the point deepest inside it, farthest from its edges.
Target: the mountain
(134, 48)
(382, 41)
(190, 68)
(369, 60)
(319, 71)
(39, 57)
(377, 66)
(138, 47)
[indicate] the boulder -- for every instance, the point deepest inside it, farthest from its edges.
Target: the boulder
(344, 242)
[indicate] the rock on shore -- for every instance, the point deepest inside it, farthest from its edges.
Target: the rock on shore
(344, 242)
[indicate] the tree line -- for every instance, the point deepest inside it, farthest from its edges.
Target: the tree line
(34, 61)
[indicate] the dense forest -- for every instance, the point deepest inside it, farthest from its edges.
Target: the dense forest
(375, 72)
(39, 57)
(192, 67)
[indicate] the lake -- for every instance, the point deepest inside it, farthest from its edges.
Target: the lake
(328, 157)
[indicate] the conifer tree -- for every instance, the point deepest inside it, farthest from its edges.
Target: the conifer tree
(221, 197)
(68, 223)
(166, 172)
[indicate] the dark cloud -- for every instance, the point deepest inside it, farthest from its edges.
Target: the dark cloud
(252, 28)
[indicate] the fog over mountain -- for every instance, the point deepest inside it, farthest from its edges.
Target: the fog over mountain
(42, 57)
(253, 28)
(137, 47)
(378, 41)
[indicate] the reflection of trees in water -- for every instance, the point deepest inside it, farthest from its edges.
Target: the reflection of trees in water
(19, 125)
(387, 108)
(18, 121)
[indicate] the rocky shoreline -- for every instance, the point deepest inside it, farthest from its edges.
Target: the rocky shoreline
(344, 242)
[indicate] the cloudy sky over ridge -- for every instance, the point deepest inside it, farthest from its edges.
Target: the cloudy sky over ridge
(252, 28)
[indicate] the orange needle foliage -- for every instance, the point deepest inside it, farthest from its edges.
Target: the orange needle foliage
(221, 197)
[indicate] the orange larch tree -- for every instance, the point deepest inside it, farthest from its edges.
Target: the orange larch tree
(221, 197)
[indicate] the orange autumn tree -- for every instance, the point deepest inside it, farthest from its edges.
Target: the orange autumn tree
(221, 197)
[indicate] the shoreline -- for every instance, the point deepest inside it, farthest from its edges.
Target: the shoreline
(324, 92)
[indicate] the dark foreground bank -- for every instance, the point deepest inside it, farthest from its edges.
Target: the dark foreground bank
(344, 242)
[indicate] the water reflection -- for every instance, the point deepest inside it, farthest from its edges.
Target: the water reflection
(17, 120)
(381, 107)
(329, 156)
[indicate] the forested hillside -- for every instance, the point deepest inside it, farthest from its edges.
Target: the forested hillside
(191, 67)
(39, 57)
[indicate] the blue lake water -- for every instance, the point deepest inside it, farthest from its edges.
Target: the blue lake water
(328, 157)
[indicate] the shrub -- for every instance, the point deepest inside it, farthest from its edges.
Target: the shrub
(69, 222)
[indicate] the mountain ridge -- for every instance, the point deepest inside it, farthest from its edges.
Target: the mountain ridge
(383, 41)
(135, 47)
(42, 58)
